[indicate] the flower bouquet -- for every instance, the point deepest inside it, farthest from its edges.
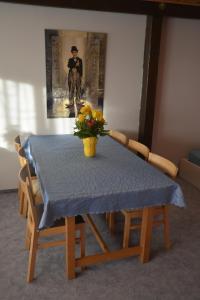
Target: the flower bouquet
(89, 125)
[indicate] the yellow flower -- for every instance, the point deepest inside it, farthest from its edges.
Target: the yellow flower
(94, 114)
(81, 117)
(97, 115)
(86, 110)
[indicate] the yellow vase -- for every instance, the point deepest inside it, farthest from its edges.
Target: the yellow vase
(89, 144)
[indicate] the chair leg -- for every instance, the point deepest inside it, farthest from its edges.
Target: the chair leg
(27, 236)
(166, 227)
(127, 225)
(19, 189)
(19, 197)
(111, 222)
(32, 255)
(107, 218)
(21, 201)
(25, 207)
(70, 246)
(82, 243)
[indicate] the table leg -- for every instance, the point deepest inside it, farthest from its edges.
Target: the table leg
(70, 246)
(146, 232)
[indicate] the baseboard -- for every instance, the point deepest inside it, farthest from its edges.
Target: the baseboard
(8, 191)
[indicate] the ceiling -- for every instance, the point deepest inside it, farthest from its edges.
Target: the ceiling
(174, 8)
(179, 2)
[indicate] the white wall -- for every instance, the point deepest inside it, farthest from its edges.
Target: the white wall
(22, 73)
(177, 115)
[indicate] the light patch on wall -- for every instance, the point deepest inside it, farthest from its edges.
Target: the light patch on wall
(2, 110)
(19, 114)
(27, 111)
(10, 102)
(17, 111)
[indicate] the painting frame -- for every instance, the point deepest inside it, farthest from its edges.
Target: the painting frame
(68, 86)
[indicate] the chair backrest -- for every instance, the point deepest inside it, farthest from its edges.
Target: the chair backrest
(22, 157)
(24, 161)
(163, 164)
(26, 183)
(139, 148)
(118, 136)
(17, 143)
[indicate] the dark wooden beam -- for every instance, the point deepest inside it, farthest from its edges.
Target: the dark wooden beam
(150, 72)
(125, 6)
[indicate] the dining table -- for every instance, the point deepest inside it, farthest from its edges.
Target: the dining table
(115, 179)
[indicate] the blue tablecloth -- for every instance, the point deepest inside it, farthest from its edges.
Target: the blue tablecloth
(115, 179)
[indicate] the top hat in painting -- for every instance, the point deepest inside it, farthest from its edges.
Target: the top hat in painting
(74, 48)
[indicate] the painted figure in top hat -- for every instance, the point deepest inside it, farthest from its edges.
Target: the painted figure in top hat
(75, 66)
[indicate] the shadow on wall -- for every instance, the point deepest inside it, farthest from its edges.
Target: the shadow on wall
(129, 134)
(175, 148)
(176, 124)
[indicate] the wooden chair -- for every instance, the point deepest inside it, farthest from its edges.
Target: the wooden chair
(119, 137)
(139, 148)
(23, 204)
(33, 235)
(165, 165)
(160, 213)
(142, 150)
(17, 143)
(122, 139)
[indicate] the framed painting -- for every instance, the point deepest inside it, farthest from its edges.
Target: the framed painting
(75, 71)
